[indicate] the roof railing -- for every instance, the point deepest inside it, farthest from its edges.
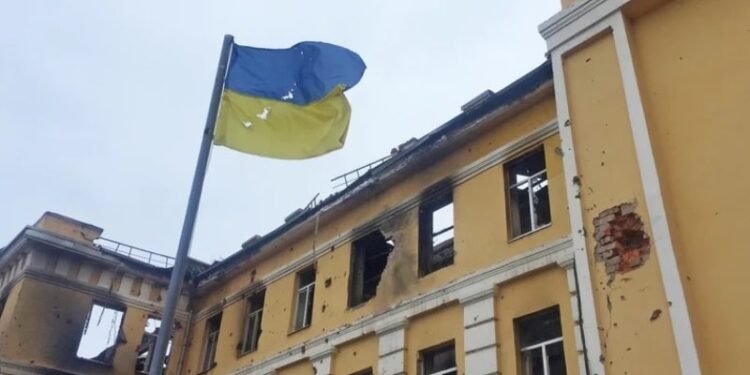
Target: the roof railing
(343, 180)
(141, 255)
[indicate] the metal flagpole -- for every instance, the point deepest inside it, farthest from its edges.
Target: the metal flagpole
(178, 271)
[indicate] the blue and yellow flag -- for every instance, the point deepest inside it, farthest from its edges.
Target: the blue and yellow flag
(287, 103)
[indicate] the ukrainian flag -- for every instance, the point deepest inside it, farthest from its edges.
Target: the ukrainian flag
(287, 103)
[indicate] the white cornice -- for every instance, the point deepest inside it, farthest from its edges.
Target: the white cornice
(573, 20)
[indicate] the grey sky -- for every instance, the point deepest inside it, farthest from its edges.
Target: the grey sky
(102, 103)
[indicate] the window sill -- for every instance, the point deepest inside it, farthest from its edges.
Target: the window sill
(95, 362)
(295, 330)
(247, 352)
(529, 233)
(206, 371)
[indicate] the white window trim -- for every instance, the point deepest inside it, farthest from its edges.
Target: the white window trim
(307, 289)
(250, 344)
(530, 180)
(543, 345)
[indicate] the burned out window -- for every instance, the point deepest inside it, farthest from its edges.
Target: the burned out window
(436, 234)
(145, 349)
(252, 330)
(528, 193)
(101, 334)
(304, 302)
(541, 343)
(440, 360)
(368, 261)
(213, 325)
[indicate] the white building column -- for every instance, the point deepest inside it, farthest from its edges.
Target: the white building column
(322, 361)
(480, 340)
(392, 348)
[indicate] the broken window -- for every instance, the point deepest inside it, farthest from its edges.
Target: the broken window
(369, 258)
(436, 234)
(440, 360)
(540, 339)
(528, 193)
(251, 335)
(145, 349)
(213, 324)
(102, 332)
(305, 293)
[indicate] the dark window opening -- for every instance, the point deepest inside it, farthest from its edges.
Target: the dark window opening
(369, 259)
(541, 343)
(440, 360)
(252, 332)
(528, 193)
(367, 371)
(305, 295)
(102, 333)
(213, 324)
(145, 349)
(436, 234)
(2, 306)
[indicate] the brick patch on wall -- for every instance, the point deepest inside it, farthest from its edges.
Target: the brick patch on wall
(621, 242)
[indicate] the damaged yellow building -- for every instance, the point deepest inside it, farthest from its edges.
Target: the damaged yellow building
(586, 219)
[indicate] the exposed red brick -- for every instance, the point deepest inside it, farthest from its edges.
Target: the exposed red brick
(622, 244)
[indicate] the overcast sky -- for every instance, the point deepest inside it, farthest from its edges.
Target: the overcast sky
(102, 103)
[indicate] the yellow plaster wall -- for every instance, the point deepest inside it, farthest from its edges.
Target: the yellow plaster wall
(609, 176)
(526, 295)
(693, 58)
(299, 368)
(481, 240)
(356, 356)
(434, 328)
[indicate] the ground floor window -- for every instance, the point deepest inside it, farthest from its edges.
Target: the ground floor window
(541, 343)
(439, 360)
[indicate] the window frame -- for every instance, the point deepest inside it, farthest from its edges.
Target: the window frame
(530, 194)
(211, 338)
(544, 344)
(427, 234)
(432, 350)
(251, 313)
(309, 290)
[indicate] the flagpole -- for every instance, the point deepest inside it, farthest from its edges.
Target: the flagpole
(181, 259)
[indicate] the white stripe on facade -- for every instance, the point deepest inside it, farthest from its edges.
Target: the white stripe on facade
(565, 32)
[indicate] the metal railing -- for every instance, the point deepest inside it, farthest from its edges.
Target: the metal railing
(343, 180)
(142, 255)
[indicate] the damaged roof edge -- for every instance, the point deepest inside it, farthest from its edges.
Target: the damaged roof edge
(512, 93)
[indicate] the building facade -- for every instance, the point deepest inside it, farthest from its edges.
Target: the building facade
(586, 219)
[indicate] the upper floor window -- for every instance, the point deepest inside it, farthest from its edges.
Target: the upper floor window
(305, 292)
(251, 335)
(102, 332)
(369, 259)
(440, 360)
(213, 324)
(436, 233)
(528, 193)
(541, 343)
